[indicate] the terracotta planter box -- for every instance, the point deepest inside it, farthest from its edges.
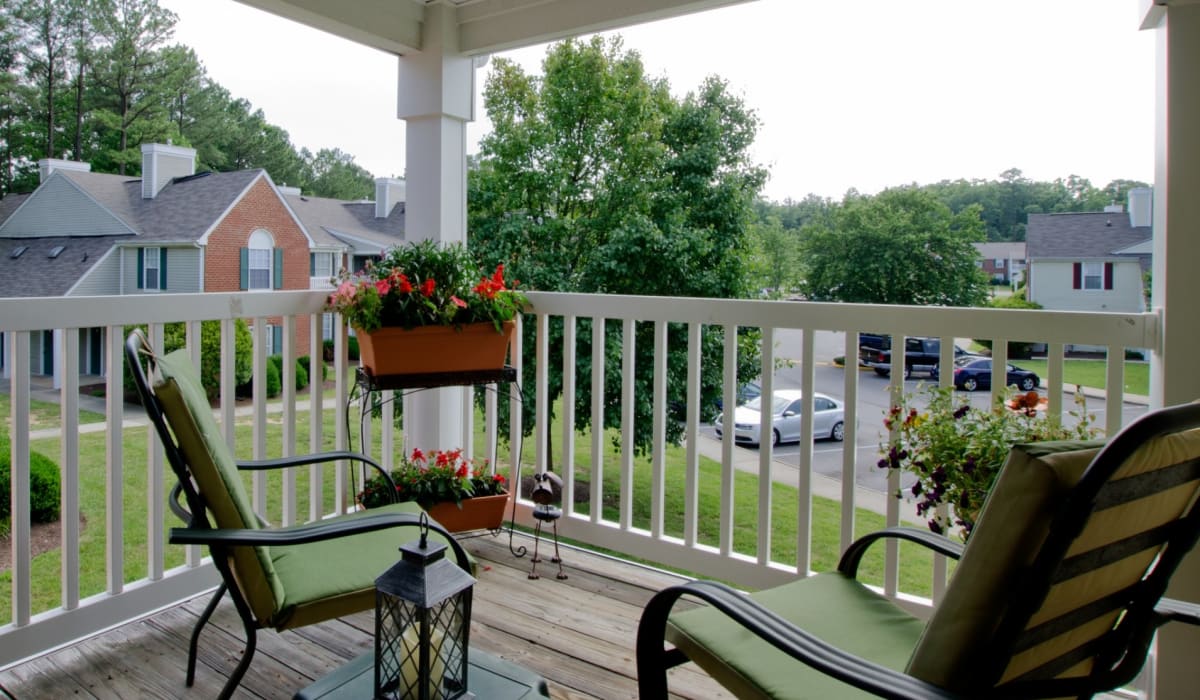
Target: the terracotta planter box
(479, 513)
(429, 349)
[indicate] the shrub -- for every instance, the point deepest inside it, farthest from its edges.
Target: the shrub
(301, 376)
(175, 337)
(44, 487)
(352, 349)
(274, 379)
(306, 362)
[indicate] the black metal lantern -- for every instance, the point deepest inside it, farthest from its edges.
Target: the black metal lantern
(422, 621)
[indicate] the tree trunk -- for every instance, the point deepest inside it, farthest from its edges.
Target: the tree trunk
(77, 150)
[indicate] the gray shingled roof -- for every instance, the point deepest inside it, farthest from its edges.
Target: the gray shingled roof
(335, 222)
(9, 204)
(35, 274)
(1078, 236)
(182, 211)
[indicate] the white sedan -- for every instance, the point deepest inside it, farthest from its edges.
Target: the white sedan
(828, 418)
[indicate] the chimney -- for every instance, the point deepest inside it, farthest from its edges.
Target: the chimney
(1113, 209)
(1141, 206)
(49, 165)
(388, 193)
(162, 163)
(288, 191)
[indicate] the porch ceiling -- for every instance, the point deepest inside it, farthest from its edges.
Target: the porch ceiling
(484, 26)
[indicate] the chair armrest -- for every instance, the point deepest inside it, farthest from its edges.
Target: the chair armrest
(938, 543)
(788, 638)
(318, 458)
(310, 532)
(1171, 610)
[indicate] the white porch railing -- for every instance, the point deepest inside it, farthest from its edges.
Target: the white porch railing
(138, 579)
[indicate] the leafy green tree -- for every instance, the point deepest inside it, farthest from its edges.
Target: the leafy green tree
(595, 179)
(774, 260)
(901, 246)
(333, 173)
(131, 73)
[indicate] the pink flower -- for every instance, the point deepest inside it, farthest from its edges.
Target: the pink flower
(458, 302)
(383, 287)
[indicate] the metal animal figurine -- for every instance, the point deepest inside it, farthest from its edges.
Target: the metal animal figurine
(542, 495)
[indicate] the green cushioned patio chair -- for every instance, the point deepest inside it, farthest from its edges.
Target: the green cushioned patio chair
(1058, 593)
(282, 577)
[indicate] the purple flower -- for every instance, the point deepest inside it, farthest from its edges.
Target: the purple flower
(961, 411)
(916, 489)
(935, 526)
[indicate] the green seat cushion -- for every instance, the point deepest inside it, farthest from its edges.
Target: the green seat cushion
(954, 651)
(836, 609)
(215, 471)
(336, 577)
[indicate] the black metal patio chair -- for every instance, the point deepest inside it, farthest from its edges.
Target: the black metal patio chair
(279, 577)
(1058, 593)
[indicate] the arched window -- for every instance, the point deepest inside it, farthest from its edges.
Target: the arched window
(261, 262)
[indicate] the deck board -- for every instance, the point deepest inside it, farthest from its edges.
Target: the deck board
(578, 633)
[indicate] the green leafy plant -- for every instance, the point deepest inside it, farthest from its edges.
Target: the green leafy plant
(424, 284)
(438, 477)
(956, 450)
(44, 487)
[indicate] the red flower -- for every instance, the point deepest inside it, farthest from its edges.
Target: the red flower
(405, 286)
(418, 455)
(462, 471)
(427, 288)
(383, 287)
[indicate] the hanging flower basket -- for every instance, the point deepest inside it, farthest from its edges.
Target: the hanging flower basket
(426, 349)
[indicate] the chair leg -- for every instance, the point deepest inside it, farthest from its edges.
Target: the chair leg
(235, 678)
(208, 611)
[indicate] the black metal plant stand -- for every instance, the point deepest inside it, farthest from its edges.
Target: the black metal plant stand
(367, 384)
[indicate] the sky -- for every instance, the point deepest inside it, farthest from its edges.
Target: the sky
(866, 94)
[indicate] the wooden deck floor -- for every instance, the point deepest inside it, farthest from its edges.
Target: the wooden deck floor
(577, 633)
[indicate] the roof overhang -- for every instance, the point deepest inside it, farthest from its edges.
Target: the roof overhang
(483, 26)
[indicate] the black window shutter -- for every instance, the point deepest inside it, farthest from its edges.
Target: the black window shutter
(141, 268)
(244, 269)
(277, 268)
(162, 269)
(1078, 282)
(1108, 275)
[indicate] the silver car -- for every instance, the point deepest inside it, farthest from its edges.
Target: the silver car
(828, 418)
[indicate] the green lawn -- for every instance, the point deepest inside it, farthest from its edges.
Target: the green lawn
(1092, 373)
(825, 539)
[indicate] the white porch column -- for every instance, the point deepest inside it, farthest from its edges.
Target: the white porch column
(436, 99)
(1177, 232)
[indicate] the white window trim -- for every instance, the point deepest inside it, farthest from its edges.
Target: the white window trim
(255, 245)
(151, 257)
(1093, 270)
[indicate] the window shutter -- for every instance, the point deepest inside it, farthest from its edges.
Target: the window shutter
(277, 340)
(277, 268)
(162, 269)
(1078, 281)
(1108, 275)
(312, 264)
(244, 269)
(141, 268)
